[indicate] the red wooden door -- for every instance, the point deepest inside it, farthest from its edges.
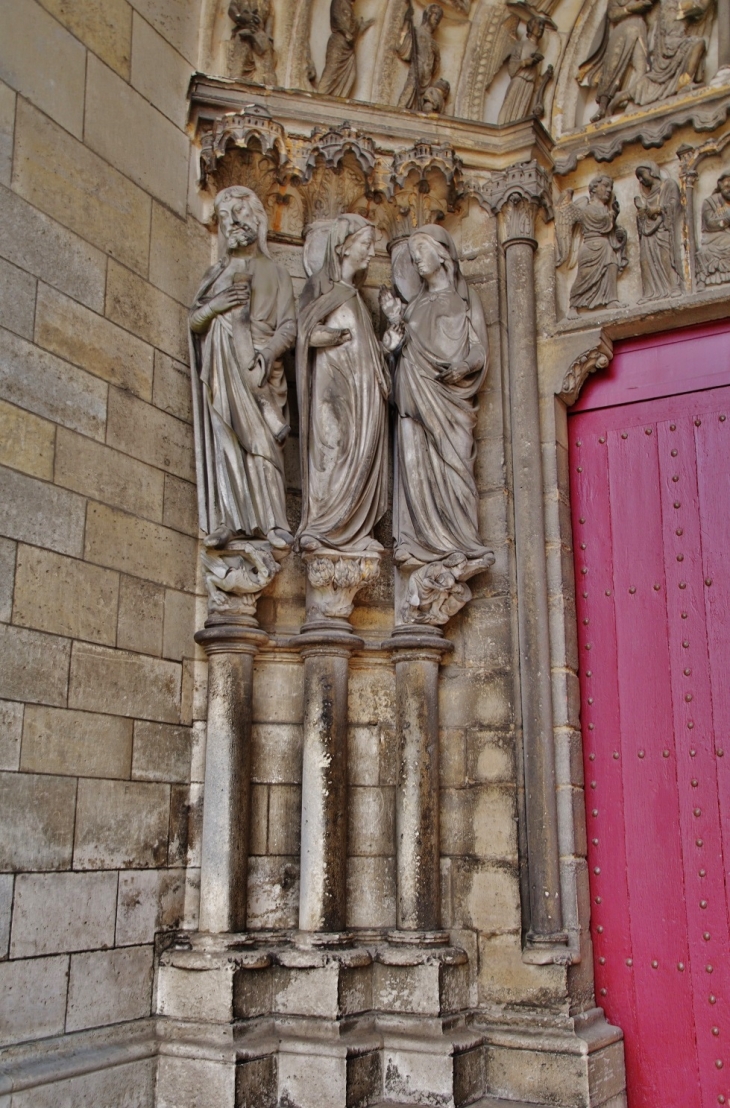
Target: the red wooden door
(650, 486)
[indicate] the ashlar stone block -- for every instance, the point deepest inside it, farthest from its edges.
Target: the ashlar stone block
(171, 390)
(82, 914)
(125, 684)
(178, 24)
(7, 129)
(180, 625)
(161, 752)
(149, 901)
(33, 666)
(65, 596)
(17, 288)
(313, 1080)
(26, 442)
(180, 509)
(11, 729)
(7, 578)
(180, 249)
(42, 383)
(37, 828)
(83, 744)
(197, 1082)
(142, 144)
(121, 825)
(6, 909)
(126, 1086)
(39, 245)
(150, 435)
(46, 64)
(277, 753)
(38, 513)
(109, 987)
(86, 339)
(141, 609)
(140, 548)
(32, 998)
(107, 475)
(104, 25)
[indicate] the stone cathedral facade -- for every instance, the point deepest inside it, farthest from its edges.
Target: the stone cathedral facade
(296, 298)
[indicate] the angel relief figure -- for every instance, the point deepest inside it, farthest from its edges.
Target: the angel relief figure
(601, 256)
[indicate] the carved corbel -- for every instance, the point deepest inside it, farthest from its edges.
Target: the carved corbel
(581, 369)
(252, 128)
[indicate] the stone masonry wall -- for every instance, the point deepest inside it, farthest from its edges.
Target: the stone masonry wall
(99, 679)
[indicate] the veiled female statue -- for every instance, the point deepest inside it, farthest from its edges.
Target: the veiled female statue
(441, 339)
(343, 399)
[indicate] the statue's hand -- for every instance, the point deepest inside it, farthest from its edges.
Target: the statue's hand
(235, 296)
(391, 305)
(323, 337)
(455, 373)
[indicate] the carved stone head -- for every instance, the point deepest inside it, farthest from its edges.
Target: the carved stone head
(432, 16)
(723, 186)
(601, 188)
(241, 219)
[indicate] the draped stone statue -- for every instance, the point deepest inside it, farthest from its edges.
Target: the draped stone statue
(601, 256)
(419, 48)
(241, 323)
(441, 342)
(619, 54)
(339, 73)
(343, 399)
(252, 45)
(526, 91)
(658, 216)
(713, 257)
(677, 52)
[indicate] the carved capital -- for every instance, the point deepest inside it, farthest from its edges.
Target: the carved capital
(581, 369)
(235, 577)
(528, 182)
(334, 578)
(437, 591)
(238, 129)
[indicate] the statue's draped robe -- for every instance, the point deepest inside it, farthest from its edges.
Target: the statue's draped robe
(343, 394)
(521, 90)
(424, 66)
(624, 43)
(338, 75)
(659, 249)
(713, 257)
(240, 464)
(601, 258)
(436, 498)
(671, 52)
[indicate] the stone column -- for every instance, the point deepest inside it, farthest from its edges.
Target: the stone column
(723, 34)
(418, 652)
(235, 578)
(326, 642)
(517, 195)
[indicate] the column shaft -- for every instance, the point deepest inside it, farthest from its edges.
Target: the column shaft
(417, 799)
(723, 33)
(532, 592)
(226, 803)
(322, 902)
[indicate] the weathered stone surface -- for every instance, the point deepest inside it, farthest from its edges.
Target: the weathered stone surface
(32, 998)
(107, 475)
(123, 683)
(142, 144)
(197, 751)
(46, 64)
(159, 72)
(58, 912)
(278, 691)
(67, 181)
(34, 666)
(17, 294)
(141, 606)
(161, 752)
(42, 383)
(371, 885)
(181, 624)
(177, 25)
(371, 696)
(312, 1080)
(149, 901)
(180, 510)
(26, 442)
(277, 753)
(372, 821)
(140, 548)
(105, 26)
(109, 987)
(7, 578)
(171, 389)
(88, 340)
(41, 246)
(121, 825)
(83, 744)
(476, 699)
(11, 730)
(489, 756)
(127, 1086)
(180, 250)
(7, 128)
(273, 892)
(452, 758)
(150, 435)
(285, 805)
(37, 828)
(259, 833)
(65, 596)
(186, 826)
(485, 896)
(198, 1081)
(6, 907)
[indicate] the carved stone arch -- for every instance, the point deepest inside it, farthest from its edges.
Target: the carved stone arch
(476, 69)
(568, 95)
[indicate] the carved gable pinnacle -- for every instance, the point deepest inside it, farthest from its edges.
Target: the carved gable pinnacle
(528, 181)
(334, 143)
(423, 158)
(238, 129)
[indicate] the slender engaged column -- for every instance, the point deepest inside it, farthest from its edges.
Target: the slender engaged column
(518, 197)
(418, 653)
(723, 34)
(227, 803)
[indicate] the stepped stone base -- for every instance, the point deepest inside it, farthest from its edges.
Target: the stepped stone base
(277, 1022)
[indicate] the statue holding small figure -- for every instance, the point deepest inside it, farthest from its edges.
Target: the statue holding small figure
(252, 50)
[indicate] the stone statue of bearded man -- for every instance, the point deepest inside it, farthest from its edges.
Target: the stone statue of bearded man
(241, 323)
